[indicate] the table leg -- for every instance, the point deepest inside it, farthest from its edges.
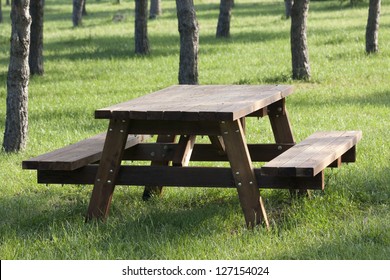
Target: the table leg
(108, 169)
(243, 173)
(149, 191)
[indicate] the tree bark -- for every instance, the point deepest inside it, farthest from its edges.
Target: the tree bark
(373, 26)
(225, 12)
(299, 49)
(77, 14)
(155, 9)
(36, 40)
(84, 11)
(189, 42)
(1, 12)
(16, 125)
(287, 6)
(141, 27)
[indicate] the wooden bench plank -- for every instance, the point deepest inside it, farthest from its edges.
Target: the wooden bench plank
(312, 155)
(76, 155)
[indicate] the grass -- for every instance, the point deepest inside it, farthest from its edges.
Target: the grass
(95, 66)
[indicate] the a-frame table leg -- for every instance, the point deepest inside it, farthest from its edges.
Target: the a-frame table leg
(108, 169)
(243, 173)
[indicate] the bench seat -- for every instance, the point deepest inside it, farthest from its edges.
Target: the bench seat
(314, 154)
(76, 155)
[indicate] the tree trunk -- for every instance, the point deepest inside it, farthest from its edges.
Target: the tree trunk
(1, 12)
(84, 11)
(141, 27)
(288, 5)
(155, 9)
(77, 12)
(299, 50)
(225, 12)
(373, 26)
(189, 42)
(36, 40)
(16, 125)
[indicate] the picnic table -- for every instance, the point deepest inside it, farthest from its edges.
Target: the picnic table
(177, 115)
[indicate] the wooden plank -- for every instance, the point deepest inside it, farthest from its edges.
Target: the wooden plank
(163, 127)
(176, 177)
(194, 102)
(76, 155)
(243, 173)
(312, 155)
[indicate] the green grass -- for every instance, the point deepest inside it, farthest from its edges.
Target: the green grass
(94, 66)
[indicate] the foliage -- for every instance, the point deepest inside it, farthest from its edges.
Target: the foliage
(94, 66)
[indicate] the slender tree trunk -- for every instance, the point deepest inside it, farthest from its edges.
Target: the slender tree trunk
(155, 9)
(299, 49)
(225, 12)
(1, 12)
(16, 125)
(141, 27)
(84, 11)
(373, 26)
(288, 6)
(36, 40)
(189, 42)
(77, 12)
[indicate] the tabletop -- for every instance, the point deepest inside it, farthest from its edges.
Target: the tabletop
(197, 102)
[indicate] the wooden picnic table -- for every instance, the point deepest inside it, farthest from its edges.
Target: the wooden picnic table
(185, 112)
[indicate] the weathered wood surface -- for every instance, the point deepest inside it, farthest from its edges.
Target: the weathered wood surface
(76, 155)
(196, 102)
(243, 173)
(313, 154)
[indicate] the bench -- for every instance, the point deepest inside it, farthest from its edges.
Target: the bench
(310, 157)
(77, 155)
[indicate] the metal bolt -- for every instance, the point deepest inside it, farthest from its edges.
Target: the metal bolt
(225, 132)
(280, 109)
(239, 184)
(109, 181)
(277, 116)
(121, 130)
(111, 171)
(280, 148)
(237, 173)
(222, 121)
(237, 130)
(123, 121)
(152, 154)
(165, 147)
(110, 129)
(250, 183)
(98, 180)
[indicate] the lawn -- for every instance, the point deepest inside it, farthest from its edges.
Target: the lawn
(94, 66)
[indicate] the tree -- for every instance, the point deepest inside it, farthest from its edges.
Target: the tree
(141, 27)
(287, 6)
(299, 49)
(189, 42)
(155, 9)
(373, 26)
(1, 12)
(36, 40)
(16, 124)
(77, 12)
(225, 12)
